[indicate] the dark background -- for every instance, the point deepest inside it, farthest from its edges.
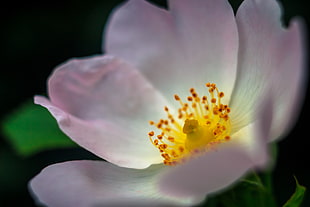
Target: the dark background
(37, 36)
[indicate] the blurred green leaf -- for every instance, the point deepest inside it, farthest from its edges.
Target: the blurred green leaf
(298, 196)
(252, 191)
(31, 129)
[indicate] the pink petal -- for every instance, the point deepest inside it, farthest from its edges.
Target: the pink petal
(223, 166)
(193, 43)
(105, 105)
(289, 99)
(98, 183)
(206, 174)
(270, 59)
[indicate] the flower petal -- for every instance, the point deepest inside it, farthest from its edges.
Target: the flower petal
(219, 168)
(289, 99)
(177, 49)
(208, 35)
(270, 59)
(104, 105)
(206, 174)
(98, 183)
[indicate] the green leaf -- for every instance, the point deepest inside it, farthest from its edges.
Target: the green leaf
(297, 198)
(31, 129)
(251, 191)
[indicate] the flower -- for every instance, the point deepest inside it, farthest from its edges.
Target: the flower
(183, 104)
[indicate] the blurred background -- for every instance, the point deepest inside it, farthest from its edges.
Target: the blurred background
(36, 36)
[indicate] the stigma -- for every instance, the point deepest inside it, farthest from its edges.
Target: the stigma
(199, 124)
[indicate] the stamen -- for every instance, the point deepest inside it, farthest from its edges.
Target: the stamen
(196, 127)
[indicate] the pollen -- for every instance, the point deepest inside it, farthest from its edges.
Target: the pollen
(199, 124)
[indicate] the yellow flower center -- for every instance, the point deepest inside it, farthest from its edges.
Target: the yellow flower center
(199, 124)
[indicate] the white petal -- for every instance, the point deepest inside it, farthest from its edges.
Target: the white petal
(215, 170)
(98, 183)
(177, 49)
(105, 105)
(270, 59)
(113, 143)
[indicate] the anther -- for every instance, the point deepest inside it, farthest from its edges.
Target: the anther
(171, 139)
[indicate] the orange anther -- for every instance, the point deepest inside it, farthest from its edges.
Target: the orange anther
(177, 98)
(171, 139)
(163, 146)
(181, 149)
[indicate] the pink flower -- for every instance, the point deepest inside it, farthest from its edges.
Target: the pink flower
(169, 138)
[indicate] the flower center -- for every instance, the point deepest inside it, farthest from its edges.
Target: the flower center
(199, 124)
